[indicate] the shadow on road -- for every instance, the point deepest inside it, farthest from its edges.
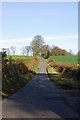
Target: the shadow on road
(38, 99)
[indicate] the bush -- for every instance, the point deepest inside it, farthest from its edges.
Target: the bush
(21, 68)
(50, 60)
(4, 58)
(68, 71)
(15, 75)
(78, 74)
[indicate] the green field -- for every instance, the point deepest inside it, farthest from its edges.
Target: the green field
(73, 59)
(29, 61)
(21, 57)
(63, 71)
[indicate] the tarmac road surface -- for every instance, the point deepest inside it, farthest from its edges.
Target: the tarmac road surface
(38, 99)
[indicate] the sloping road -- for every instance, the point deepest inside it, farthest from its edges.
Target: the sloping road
(38, 99)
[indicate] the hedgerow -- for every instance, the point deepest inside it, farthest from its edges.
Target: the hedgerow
(68, 70)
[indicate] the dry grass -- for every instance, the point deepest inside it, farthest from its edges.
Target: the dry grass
(18, 73)
(64, 76)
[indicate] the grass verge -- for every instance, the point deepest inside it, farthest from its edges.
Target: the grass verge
(62, 81)
(17, 72)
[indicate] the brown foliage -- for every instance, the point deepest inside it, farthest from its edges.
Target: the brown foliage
(70, 71)
(58, 51)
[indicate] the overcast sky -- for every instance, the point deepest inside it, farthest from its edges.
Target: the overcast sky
(57, 23)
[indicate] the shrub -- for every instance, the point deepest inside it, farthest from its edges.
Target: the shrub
(69, 71)
(21, 68)
(78, 74)
(4, 58)
(50, 60)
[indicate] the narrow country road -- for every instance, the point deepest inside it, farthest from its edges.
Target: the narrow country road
(38, 99)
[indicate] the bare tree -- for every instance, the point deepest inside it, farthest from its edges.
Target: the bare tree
(28, 48)
(23, 50)
(13, 49)
(36, 44)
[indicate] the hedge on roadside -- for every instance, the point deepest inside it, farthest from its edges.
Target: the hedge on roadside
(69, 70)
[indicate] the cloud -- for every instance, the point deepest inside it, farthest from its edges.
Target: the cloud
(61, 37)
(15, 42)
(66, 42)
(18, 43)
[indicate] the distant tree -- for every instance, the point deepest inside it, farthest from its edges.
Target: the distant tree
(36, 44)
(58, 51)
(53, 46)
(13, 49)
(48, 54)
(45, 51)
(28, 48)
(23, 51)
(8, 51)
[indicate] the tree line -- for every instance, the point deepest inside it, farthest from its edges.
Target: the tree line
(38, 47)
